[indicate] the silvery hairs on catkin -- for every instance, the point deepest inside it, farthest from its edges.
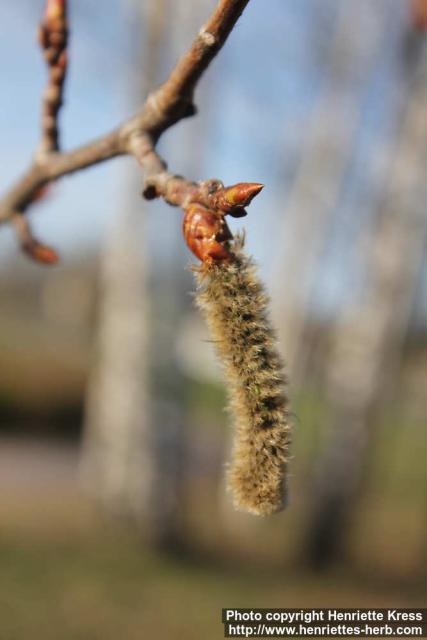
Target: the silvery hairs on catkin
(234, 303)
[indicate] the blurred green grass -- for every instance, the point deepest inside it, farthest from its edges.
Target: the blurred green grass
(68, 573)
(107, 587)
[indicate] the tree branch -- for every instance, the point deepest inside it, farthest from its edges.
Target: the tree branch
(171, 102)
(53, 38)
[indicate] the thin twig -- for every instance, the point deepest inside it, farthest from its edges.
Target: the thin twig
(36, 250)
(139, 135)
(53, 38)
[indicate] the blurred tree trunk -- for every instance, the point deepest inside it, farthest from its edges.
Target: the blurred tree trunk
(171, 284)
(131, 460)
(322, 170)
(367, 343)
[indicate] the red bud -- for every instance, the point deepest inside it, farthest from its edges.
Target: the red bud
(242, 194)
(55, 10)
(419, 14)
(234, 199)
(206, 234)
(40, 253)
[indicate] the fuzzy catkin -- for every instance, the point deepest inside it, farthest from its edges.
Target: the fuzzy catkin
(235, 306)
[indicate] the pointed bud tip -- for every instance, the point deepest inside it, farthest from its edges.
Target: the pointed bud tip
(242, 194)
(55, 9)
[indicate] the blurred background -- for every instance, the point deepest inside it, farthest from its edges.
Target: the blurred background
(114, 520)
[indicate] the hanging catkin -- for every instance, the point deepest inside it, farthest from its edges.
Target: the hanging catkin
(234, 303)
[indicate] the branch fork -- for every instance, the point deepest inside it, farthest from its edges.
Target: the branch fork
(138, 136)
(230, 294)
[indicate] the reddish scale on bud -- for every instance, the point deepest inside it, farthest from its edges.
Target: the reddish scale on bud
(207, 234)
(43, 36)
(234, 199)
(419, 14)
(55, 10)
(40, 253)
(53, 30)
(63, 61)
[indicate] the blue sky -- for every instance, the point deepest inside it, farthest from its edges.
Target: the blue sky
(254, 102)
(98, 97)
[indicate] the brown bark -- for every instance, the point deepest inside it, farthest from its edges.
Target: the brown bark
(171, 102)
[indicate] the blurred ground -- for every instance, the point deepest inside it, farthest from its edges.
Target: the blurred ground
(67, 575)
